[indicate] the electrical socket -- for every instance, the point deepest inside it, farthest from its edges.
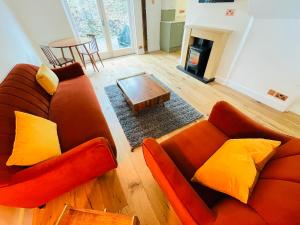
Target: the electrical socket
(230, 12)
(281, 96)
(278, 95)
(271, 92)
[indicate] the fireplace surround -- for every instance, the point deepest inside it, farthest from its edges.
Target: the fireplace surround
(218, 37)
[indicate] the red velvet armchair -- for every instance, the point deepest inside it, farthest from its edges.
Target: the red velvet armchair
(275, 199)
(86, 143)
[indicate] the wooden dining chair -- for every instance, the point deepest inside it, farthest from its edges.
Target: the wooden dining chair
(92, 49)
(53, 60)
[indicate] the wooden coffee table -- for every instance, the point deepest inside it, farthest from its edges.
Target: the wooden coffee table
(142, 91)
(72, 216)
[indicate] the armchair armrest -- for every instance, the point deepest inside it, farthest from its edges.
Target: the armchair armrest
(69, 71)
(42, 182)
(235, 124)
(186, 202)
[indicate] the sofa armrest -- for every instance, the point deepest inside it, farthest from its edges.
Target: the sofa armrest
(69, 71)
(42, 182)
(235, 124)
(186, 202)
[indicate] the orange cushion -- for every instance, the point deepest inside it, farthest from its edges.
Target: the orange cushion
(233, 168)
(36, 140)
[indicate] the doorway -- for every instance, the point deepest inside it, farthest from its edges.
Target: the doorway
(110, 20)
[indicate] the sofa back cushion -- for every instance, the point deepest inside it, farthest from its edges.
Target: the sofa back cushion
(190, 149)
(76, 110)
(19, 92)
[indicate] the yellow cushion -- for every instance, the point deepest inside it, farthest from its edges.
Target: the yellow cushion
(261, 150)
(36, 140)
(233, 169)
(47, 79)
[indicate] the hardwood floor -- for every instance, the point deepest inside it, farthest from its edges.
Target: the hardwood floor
(131, 189)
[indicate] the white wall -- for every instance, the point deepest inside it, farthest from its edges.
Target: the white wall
(43, 20)
(213, 15)
(270, 60)
(168, 4)
(153, 9)
(14, 44)
(181, 5)
(295, 107)
(266, 9)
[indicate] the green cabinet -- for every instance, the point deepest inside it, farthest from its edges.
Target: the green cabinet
(171, 33)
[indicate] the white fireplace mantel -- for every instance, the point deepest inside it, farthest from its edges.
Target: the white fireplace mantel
(217, 35)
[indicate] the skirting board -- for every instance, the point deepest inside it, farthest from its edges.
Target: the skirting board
(267, 100)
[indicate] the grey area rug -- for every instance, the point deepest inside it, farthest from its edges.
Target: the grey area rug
(154, 122)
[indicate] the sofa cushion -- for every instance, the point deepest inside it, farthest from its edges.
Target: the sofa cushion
(7, 172)
(76, 110)
(277, 201)
(193, 146)
(20, 92)
(190, 149)
(273, 202)
(233, 212)
(285, 165)
(287, 168)
(288, 149)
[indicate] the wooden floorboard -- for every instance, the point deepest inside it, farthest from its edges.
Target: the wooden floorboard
(130, 189)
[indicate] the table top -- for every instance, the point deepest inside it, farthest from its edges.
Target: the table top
(141, 88)
(69, 42)
(72, 216)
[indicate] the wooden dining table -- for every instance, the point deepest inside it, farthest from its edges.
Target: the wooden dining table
(74, 42)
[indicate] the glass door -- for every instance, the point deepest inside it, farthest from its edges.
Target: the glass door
(109, 20)
(118, 17)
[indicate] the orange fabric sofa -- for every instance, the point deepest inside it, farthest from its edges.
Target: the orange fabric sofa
(87, 146)
(275, 199)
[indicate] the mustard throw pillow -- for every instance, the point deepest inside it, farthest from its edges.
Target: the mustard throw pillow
(36, 140)
(47, 79)
(233, 169)
(260, 150)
